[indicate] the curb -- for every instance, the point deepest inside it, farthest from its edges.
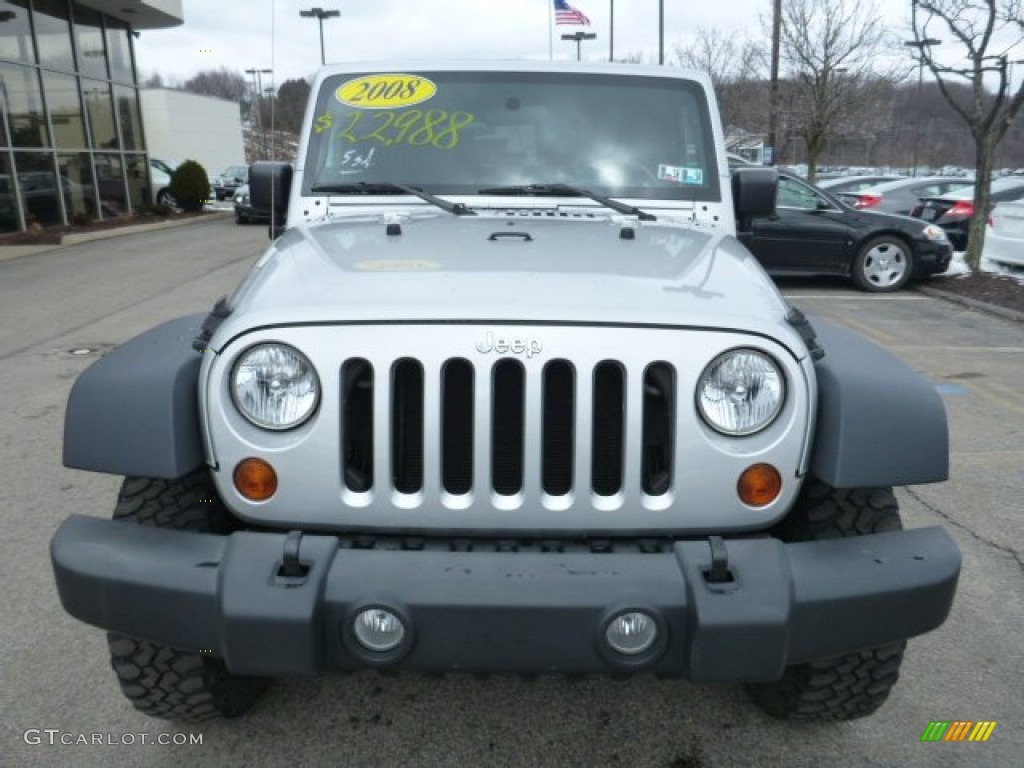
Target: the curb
(982, 306)
(9, 252)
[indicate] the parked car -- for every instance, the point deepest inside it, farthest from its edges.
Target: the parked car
(813, 232)
(244, 212)
(160, 180)
(853, 184)
(1004, 239)
(901, 195)
(954, 210)
(229, 180)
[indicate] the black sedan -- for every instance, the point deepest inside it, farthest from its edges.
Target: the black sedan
(813, 233)
(954, 211)
(244, 212)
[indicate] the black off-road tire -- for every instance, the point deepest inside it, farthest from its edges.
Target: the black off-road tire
(852, 685)
(166, 682)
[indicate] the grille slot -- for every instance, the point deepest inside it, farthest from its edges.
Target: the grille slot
(659, 420)
(477, 429)
(457, 426)
(357, 424)
(558, 415)
(407, 426)
(609, 421)
(507, 412)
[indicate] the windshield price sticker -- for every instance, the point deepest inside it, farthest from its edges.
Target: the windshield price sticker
(437, 128)
(385, 91)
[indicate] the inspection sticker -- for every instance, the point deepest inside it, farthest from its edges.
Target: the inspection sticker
(681, 174)
(385, 91)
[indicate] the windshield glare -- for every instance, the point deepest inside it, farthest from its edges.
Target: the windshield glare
(459, 132)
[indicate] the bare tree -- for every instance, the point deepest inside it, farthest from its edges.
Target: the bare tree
(222, 83)
(987, 30)
(830, 50)
(734, 65)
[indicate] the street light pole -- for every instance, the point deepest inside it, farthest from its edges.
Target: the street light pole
(257, 75)
(611, 31)
(579, 37)
(320, 14)
(661, 31)
(920, 45)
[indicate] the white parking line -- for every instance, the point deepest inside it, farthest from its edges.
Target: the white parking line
(916, 348)
(855, 297)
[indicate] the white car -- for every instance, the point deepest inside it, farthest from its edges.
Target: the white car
(160, 180)
(1004, 237)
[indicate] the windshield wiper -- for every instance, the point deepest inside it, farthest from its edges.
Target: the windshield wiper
(569, 191)
(389, 188)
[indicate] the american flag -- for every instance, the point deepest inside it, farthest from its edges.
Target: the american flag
(566, 14)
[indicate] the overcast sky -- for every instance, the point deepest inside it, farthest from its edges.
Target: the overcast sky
(245, 34)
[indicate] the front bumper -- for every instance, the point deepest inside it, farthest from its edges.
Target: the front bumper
(499, 611)
(932, 257)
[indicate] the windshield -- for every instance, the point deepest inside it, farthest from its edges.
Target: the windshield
(460, 132)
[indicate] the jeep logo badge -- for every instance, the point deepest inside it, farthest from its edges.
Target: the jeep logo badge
(503, 345)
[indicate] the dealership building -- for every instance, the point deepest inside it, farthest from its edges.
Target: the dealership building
(71, 137)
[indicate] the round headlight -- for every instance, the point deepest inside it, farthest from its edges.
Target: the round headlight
(275, 386)
(740, 392)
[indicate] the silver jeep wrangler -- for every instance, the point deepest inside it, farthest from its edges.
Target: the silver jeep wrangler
(507, 394)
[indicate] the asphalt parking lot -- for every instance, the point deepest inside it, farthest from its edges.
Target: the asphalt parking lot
(60, 309)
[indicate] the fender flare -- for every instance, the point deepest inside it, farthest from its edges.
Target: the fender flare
(879, 422)
(136, 410)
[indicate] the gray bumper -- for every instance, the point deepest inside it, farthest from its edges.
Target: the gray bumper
(504, 612)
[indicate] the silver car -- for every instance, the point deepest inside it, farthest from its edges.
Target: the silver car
(506, 393)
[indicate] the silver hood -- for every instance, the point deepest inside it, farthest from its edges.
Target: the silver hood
(536, 267)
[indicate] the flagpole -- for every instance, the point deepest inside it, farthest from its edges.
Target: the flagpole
(551, 39)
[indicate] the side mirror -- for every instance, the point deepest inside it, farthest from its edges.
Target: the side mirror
(269, 187)
(753, 192)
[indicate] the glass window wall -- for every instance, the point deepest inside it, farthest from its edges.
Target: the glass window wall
(119, 50)
(65, 109)
(15, 33)
(38, 181)
(8, 200)
(92, 54)
(76, 182)
(100, 108)
(53, 34)
(110, 180)
(138, 181)
(21, 107)
(131, 116)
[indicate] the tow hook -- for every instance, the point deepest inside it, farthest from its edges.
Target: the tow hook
(719, 572)
(292, 572)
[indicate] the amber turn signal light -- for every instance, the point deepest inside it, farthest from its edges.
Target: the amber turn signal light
(759, 485)
(255, 479)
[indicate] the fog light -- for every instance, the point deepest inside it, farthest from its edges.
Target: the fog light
(255, 479)
(378, 630)
(759, 485)
(632, 633)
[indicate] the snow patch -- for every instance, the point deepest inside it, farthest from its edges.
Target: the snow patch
(958, 266)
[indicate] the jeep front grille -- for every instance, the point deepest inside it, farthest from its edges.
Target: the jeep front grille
(506, 429)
